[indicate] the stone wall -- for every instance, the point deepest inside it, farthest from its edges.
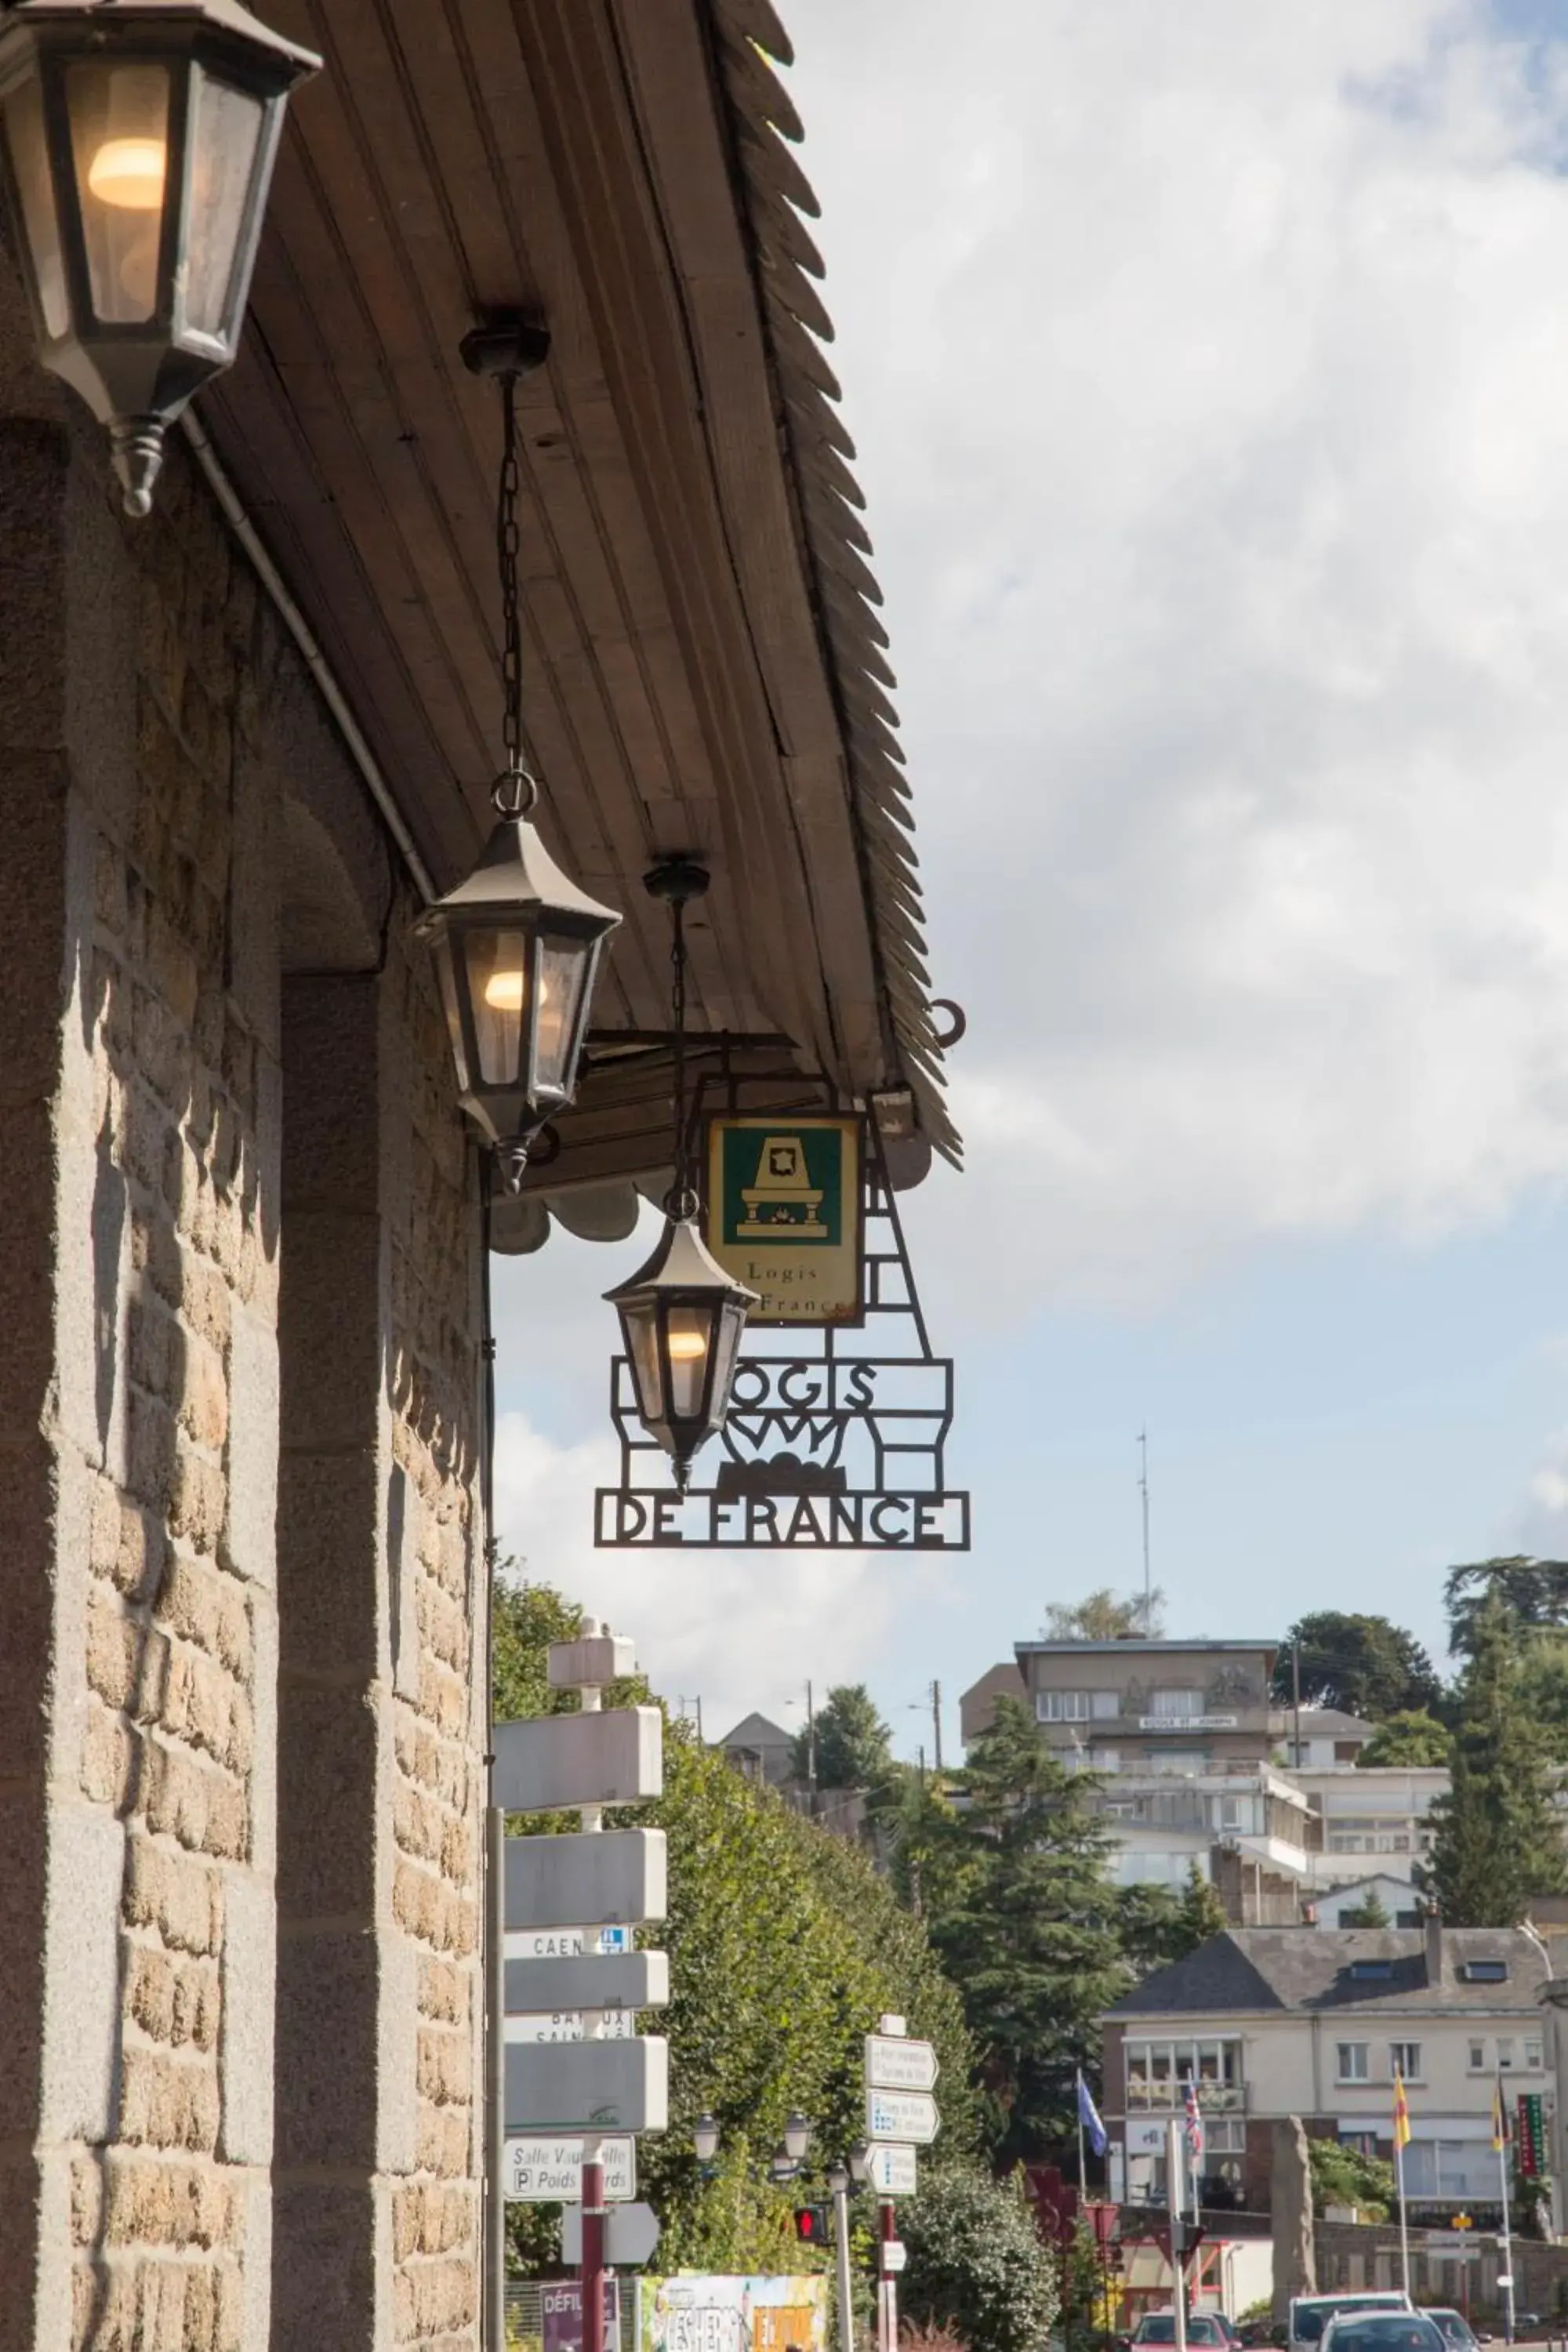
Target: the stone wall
(166, 778)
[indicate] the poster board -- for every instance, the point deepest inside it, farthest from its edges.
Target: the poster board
(699, 2311)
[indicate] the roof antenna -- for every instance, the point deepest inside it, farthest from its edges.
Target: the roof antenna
(1143, 1492)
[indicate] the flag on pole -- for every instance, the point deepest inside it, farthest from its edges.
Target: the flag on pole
(1195, 2122)
(1089, 2116)
(1400, 2114)
(1502, 2133)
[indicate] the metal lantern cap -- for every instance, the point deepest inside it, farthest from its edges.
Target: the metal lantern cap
(139, 140)
(681, 1262)
(516, 874)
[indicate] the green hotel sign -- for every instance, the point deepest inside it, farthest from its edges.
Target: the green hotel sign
(785, 1213)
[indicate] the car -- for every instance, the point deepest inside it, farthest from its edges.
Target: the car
(1384, 2331)
(1457, 2329)
(1310, 2314)
(1202, 2328)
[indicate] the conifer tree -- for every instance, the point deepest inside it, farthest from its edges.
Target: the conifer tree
(1499, 1839)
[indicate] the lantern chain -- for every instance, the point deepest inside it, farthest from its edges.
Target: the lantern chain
(516, 790)
(681, 1202)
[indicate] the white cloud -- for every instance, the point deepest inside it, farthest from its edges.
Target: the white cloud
(1210, 369)
(742, 1630)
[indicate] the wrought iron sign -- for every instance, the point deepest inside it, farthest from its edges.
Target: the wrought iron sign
(839, 1411)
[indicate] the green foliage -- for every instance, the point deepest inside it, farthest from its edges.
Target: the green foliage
(1543, 1688)
(1413, 1736)
(1019, 1906)
(1342, 2176)
(1156, 1926)
(851, 1742)
(1365, 1666)
(1370, 1912)
(1497, 1842)
(1103, 1617)
(978, 2266)
(785, 1948)
(1531, 1592)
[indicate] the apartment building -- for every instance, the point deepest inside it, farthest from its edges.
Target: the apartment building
(1274, 2022)
(1155, 1707)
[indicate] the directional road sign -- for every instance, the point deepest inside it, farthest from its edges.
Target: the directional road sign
(612, 2086)
(631, 2233)
(890, 2169)
(568, 1943)
(566, 2025)
(551, 1763)
(900, 2065)
(547, 2168)
(618, 1876)
(624, 1980)
(908, 2116)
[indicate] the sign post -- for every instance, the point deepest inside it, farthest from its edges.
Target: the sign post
(900, 2113)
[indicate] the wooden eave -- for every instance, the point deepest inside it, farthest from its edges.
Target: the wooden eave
(702, 661)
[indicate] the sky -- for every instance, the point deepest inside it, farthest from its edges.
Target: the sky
(1208, 367)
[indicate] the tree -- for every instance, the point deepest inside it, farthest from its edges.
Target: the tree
(1498, 1843)
(1342, 2176)
(1370, 1912)
(1021, 1910)
(850, 1740)
(1543, 1688)
(1101, 1617)
(1411, 1737)
(1155, 1926)
(976, 2263)
(1365, 1665)
(1533, 1592)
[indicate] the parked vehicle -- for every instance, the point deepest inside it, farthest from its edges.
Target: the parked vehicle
(1310, 2314)
(1202, 2328)
(1382, 2331)
(1457, 2330)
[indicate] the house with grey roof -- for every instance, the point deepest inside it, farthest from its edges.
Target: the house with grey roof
(1270, 2022)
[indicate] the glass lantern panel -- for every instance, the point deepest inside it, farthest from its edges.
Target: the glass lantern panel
(120, 144)
(30, 163)
(445, 951)
(497, 989)
(640, 1327)
(726, 1347)
(562, 970)
(688, 1331)
(224, 134)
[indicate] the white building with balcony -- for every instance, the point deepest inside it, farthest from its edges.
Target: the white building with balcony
(1274, 2022)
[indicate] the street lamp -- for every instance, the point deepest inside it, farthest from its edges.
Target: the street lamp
(517, 943)
(860, 2161)
(796, 2137)
(681, 1315)
(705, 2137)
(838, 2178)
(139, 140)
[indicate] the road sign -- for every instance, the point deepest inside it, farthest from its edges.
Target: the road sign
(623, 1980)
(900, 2065)
(890, 2169)
(551, 1763)
(631, 2233)
(894, 2254)
(613, 2086)
(568, 1943)
(616, 1876)
(908, 2115)
(566, 2025)
(547, 2168)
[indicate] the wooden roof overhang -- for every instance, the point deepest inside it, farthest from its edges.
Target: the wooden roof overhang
(704, 671)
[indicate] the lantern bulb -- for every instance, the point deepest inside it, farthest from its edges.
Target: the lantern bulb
(503, 991)
(129, 174)
(685, 1347)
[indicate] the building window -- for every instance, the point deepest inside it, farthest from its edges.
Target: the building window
(1364, 2143)
(1061, 1707)
(1177, 1706)
(1405, 2058)
(1533, 2059)
(1105, 1705)
(1158, 2073)
(1504, 2052)
(1477, 2057)
(1176, 1759)
(1352, 2059)
(1485, 1971)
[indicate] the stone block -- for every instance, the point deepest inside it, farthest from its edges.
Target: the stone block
(177, 1894)
(330, 1327)
(328, 1802)
(330, 1570)
(81, 1963)
(34, 459)
(250, 1991)
(249, 1546)
(22, 1967)
(324, 2268)
(327, 2052)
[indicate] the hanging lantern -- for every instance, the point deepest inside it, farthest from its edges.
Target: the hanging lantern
(681, 1315)
(139, 140)
(682, 1320)
(517, 944)
(517, 951)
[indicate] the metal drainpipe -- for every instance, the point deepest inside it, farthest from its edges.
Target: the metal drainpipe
(494, 1885)
(304, 637)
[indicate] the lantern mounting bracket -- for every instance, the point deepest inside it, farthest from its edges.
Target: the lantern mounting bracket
(505, 342)
(677, 879)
